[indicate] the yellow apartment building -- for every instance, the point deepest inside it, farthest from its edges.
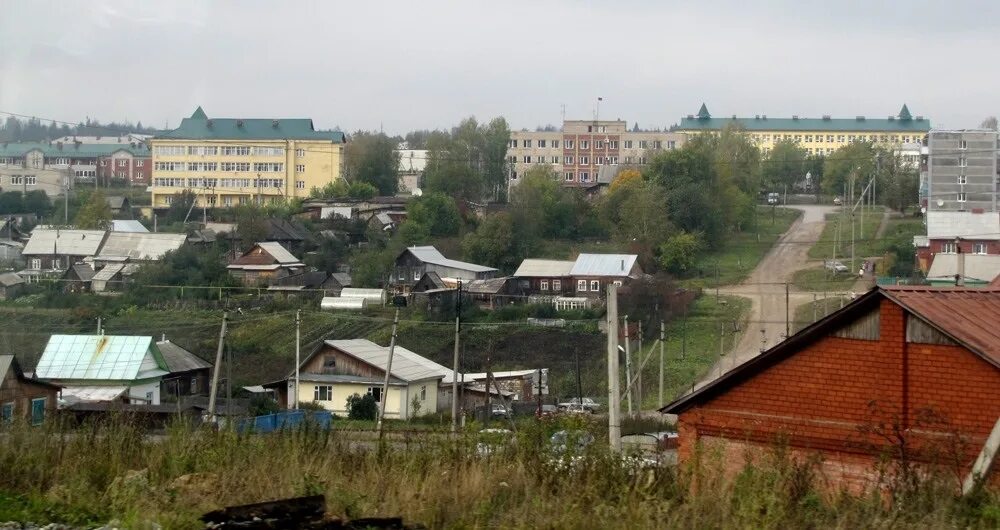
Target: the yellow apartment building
(231, 161)
(818, 136)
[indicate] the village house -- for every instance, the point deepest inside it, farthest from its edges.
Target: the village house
(264, 263)
(22, 397)
(104, 368)
(492, 293)
(592, 273)
(330, 284)
(951, 232)
(545, 277)
(189, 375)
(522, 385)
(412, 263)
(920, 362)
(51, 251)
(119, 205)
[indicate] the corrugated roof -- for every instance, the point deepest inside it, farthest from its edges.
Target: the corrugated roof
(279, 253)
(70, 150)
(340, 378)
(342, 278)
(490, 286)
(946, 225)
(100, 357)
(141, 246)
(10, 279)
(178, 359)
(92, 394)
(6, 362)
(429, 254)
(981, 267)
(108, 272)
(72, 242)
(127, 225)
(200, 127)
(544, 268)
(84, 271)
(603, 265)
(406, 365)
(970, 316)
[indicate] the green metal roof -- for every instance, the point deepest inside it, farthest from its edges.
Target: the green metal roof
(100, 357)
(904, 122)
(200, 127)
(71, 149)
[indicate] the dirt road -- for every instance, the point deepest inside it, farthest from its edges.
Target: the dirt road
(765, 287)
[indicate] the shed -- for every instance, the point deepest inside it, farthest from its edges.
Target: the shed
(108, 278)
(413, 262)
(129, 225)
(188, 374)
(11, 285)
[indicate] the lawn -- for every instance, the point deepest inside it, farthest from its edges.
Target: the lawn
(819, 279)
(733, 260)
(806, 314)
(838, 228)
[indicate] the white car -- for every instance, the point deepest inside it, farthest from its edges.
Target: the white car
(588, 404)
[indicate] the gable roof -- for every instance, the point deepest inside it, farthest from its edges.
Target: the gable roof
(406, 365)
(46, 241)
(429, 254)
(9, 363)
(141, 245)
(279, 253)
(178, 359)
(71, 149)
(128, 225)
(967, 316)
(603, 265)
(544, 268)
(489, 286)
(10, 279)
(284, 230)
(108, 272)
(100, 357)
(84, 271)
(115, 202)
(200, 127)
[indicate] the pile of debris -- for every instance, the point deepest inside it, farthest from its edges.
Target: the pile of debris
(299, 512)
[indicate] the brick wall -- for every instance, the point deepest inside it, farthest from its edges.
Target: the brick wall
(818, 399)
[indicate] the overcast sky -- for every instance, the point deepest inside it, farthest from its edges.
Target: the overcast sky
(428, 64)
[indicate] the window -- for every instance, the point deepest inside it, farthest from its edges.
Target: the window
(36, 264)
(227, 200)
(236, 166)
(584, 144)
(149, 398)
(300, 168)
(268, 151)
(961, 197)
(170, 166)
(595, 285)
(139, 163)
(423, 392)
(584, 176)
(322, 392)
(962, 179)
(300, 184)
(299, 153)
(202, 150)
(168, 199)
(612, 160)
(170, 150)
(416, 274)
(527, 159)
(526, 143)
(235, 150)
(568, 177)
(544, 285)
(829, 138)
(962, 144)
(555, 159)
(541, 159)
(628, 160)
(568, 144)
(557, 285)
(194, 385)
(200, 166)
(628, 144)
(613, 144)
(122, 163)
(555, 144)
(598, 160)
(375, 392)
(541, 143)
(809, 138)
(963, 162)
(948, 248)
(642, 144)
(30, 180)
(581, 285)
(657, 144)
(513, 144)
(122, 174)
(569, 159)
(269, 167)
(37, 411)
(979, 248)
(7, 413)
(584, 160)
(598, 144)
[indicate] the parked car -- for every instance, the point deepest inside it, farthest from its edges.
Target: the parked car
(499, 411)
(563, 440)
(587, 403)
(548, 410)
(773, 198)
(834, 266)
(576, 408)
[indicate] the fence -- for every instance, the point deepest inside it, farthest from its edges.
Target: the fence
(291, 419)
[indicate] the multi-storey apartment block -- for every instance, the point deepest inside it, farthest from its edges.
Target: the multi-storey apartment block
(230, 161)
(53, 167)
(584, 150)
(818, 136)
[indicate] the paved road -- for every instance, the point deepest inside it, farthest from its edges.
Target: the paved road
(765, 287)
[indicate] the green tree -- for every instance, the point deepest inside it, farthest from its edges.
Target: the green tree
(11, 202)
(362, 190)
(180, 206)
(362, 407)
(95, 214)
(437, 212)
(897, 185)
(372, 158)
(337, 189)
(187, 265)
(785, 165)
(469, 162)
(679, 253)
(38, 203)
(251, 225)
(855, 160)
(493, 243)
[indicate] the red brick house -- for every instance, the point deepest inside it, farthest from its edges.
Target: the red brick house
(921, 362)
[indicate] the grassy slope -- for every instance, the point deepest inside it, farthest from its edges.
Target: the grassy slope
(819, 279)
(864, 247)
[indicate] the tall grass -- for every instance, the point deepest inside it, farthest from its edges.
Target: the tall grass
(112, 470)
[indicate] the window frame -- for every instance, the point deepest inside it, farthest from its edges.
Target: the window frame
(595, 286)
(581, 286)
(318, 395)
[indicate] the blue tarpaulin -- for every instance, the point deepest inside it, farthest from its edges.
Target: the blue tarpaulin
(290, 419)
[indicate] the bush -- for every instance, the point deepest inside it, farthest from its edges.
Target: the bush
(362, 407)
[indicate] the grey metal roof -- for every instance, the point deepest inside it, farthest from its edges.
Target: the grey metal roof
(141, 246)
(963, 224)
(342, 278)
(115, 201)
(279, 253)
(178, 359)
(603, 265)
(108, 272)
(429, 254)
(406, 365)
(128, 225)
(84, 271)
(48, 241)
(338, 378)
(544, 268)
(99, 357)
(10, 279)
(982, 267)
(490, 286)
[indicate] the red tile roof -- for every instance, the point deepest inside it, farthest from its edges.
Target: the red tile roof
(970, 316)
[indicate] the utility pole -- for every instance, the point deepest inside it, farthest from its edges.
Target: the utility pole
(628, 368)
(579, 382)
(454, 373)
(388, 371)
(614, 398)
(215, 372)
(638, 381)
(99, 330)
(229, 381)
(662, 340)
(788, 322)
(489, 401)
(298, 339)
